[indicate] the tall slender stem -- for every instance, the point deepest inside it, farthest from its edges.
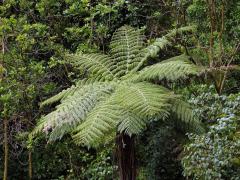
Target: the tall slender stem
(5, 124)
(30, 164)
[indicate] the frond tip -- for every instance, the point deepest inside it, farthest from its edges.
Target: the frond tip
(74, 109)
(172, 69)
(59, 96)
(185, 117)
(97, 65)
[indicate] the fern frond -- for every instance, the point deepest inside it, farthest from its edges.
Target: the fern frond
(187, 119)
(97, 65)
(159, 44)
(73, 109)
(125, 47)
(99, 122)
(67, 92)
(178, 67)
(145, 99)
(131, 123)
(128, 109)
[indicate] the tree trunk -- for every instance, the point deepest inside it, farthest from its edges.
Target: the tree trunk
(125, 153)
(5, 123)
(30, 164)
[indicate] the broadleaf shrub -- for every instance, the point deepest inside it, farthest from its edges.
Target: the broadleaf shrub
(215, 154)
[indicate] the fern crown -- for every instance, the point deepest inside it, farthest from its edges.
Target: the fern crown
(118, 93)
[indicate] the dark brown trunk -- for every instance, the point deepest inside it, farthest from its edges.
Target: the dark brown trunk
(125, 154)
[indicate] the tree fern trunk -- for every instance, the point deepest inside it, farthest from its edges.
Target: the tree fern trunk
(126, 157)
(5, 124)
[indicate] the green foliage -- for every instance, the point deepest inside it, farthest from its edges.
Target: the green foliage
(214, 155)
(175, 68)
(216, 41)
(37, 35)
(158, 152)
(198, 13)
(72, 162)
(210, 106)
(97, 65)
(102, 166)
(96, 109)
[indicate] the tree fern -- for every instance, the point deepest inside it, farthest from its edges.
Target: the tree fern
(116, 94)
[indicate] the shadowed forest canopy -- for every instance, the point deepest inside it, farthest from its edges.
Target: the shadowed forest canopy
(119, 89)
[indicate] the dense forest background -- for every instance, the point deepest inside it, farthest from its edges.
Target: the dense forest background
(37, 35)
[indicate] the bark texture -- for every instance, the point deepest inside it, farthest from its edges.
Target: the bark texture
(126, 157)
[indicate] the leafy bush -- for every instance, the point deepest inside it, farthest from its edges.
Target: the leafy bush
(215, 154)
(158, 151)
(69, 161)
(209, 105)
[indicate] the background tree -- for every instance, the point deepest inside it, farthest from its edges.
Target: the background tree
(216, 42)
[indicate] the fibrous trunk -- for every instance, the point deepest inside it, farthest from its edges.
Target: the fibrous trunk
(125, 153)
